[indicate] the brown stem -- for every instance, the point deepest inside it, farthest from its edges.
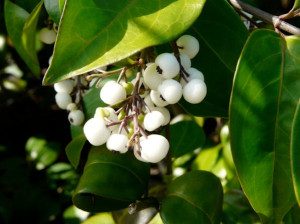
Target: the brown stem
(265, 16)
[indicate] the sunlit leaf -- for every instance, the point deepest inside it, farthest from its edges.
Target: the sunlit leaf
(263, 103)
(97, 33)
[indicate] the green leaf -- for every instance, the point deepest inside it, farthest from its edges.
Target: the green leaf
(207, 158)
(54, 9)
(110, 181)
(42, 152)
(264, 99)
(185, 136)
(21, 27)
(104, 218)
(103, 32)
(73, 150)
(195, 197)
(91, 101)
(296, 5)
(295, 154)
(222, 35)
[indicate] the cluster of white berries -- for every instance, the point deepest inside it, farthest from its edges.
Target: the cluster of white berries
(64, 101)
(141, 104)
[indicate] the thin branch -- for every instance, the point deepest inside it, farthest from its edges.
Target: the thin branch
(266, 17)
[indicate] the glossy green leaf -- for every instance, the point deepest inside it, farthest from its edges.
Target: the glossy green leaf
(195, 197)
(73, 150)
(97, 33)
(91, 101)
(185, 136)
(54, 9)
(222, 35)
(110, 181)
(295, 152)
(21, 27)
(263, 103)
(293, 216)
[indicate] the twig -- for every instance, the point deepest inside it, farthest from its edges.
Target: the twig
(265, 16)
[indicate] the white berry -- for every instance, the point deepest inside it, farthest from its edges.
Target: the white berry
(157, 99)
(76, 117)
(153, 120)
(165, 112)
(188, 45)
(112, 93)
(168, 65)
(151, 77)
(185, 61)
(148, 101)
(194, 91)
(65, 86)
(63, 100)
(193, 74)
(117, 142)
(154, 148)
(171, 91)
(95, 131)
(47, 36)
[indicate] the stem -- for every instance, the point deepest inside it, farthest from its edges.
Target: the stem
(183, 72)
(266, 17)
(104, 74)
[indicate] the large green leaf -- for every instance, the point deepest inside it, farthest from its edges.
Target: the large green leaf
(263, 103)
(295, 153)
(195, 197)
(221, 35)
(21, 27)
(110, 181)
(185, 136)
(74, 148)
(97, 33)
(54, 9)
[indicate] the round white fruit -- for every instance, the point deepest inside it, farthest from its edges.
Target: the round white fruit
(194, 91)
(148, 101)
(171, 91)
(188, 45)
(151, 77)
(76, 117)
(112, 93)
(63, 100)
(153, 120)
(47, 36)
(95, 131)
(65, 86)
(193, 74)
(168, 65)
(185, 61)
(154, 148)
(157, 99)
(165, 112)
(117, 142)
